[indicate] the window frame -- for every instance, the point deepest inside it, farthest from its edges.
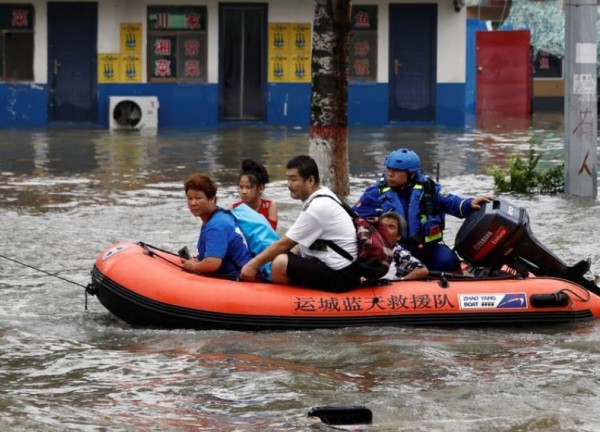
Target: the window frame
(7, 28)
(369, 34)
(534, 60)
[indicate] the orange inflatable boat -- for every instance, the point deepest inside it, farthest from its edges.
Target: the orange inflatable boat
(147, 287)
(511, 279)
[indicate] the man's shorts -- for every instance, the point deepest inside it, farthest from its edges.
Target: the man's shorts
(314, 273)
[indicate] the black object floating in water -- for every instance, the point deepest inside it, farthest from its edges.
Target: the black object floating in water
(342, 415)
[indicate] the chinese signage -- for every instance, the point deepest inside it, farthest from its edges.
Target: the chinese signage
(388, 303)
(192, 57)
(364, 18)
(362, 56)
(131, 38)
(163, 61)
(177, 43)
(16, 17)
(183, 18)
(109, 67)
(289, 52)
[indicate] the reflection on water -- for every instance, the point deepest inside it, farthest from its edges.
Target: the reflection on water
(68, 193)
(49, 164)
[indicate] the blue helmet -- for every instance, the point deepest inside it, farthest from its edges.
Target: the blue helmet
(403, 159)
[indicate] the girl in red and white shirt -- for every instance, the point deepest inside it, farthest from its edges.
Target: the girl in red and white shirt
(252, 181)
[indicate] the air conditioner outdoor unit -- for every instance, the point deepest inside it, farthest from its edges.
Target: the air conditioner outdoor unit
(133, 112)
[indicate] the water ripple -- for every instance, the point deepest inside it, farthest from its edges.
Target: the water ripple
(68, 194)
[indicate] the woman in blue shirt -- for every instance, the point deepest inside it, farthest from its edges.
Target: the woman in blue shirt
(221, 247)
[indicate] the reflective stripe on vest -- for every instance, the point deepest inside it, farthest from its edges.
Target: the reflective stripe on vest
(460, 208)
(416, 220)
(433, 237)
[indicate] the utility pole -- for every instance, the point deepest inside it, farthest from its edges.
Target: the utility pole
(581, 116)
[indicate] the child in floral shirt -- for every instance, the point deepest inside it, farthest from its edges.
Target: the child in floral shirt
(404, 266)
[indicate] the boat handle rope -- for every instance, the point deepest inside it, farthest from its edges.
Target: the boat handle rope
(152, 254)
(568, 291)
(149, 246)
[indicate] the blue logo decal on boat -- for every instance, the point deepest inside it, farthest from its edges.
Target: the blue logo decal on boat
(493, 301)
(513, 301)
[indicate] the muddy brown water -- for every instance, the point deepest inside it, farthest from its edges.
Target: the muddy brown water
(68, 193)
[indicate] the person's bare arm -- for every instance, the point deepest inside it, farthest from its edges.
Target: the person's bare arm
(418, 273)
(273, 211)
(281, 246)
(206, 266)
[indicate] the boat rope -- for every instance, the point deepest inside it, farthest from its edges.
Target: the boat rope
(152, 254)
(88, 288)
(149, 246)
(568, 291)
(43, 271)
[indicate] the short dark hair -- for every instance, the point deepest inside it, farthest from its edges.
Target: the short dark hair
(399, 220)
(201, 182)
(257, 174)
(306, 167)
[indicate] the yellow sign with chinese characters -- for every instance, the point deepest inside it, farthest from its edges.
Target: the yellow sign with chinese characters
(289, 52)
(131, 68)
(109, 68)
(131, 38)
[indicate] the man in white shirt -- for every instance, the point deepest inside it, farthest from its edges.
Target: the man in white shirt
(322, 218)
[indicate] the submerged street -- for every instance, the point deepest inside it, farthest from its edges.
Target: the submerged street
(67, 194)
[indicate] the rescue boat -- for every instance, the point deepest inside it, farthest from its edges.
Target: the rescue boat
(512, 280)
(147, 287)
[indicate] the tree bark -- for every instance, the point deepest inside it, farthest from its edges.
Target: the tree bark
(329, 96)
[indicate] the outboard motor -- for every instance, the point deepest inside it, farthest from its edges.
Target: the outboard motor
(499, 234)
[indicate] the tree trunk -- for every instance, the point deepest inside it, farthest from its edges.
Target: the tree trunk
(329, 98)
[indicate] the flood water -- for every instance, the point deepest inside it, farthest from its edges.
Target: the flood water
(67, 194)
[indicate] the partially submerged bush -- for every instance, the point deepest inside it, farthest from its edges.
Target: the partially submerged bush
(524, 177)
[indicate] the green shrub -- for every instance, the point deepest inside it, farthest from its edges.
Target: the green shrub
(524, 177)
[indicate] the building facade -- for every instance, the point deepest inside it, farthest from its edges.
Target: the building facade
(211, 62)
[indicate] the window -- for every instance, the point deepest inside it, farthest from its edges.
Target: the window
(362, 62)
(177, 44)
(16, 42)
(546, 65)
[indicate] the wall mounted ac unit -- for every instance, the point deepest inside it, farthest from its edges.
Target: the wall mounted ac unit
(133, 112)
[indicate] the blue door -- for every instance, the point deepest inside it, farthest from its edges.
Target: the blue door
(412, 67)
(72, 60)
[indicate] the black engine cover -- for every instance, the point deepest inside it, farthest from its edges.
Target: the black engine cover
(499, 234)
